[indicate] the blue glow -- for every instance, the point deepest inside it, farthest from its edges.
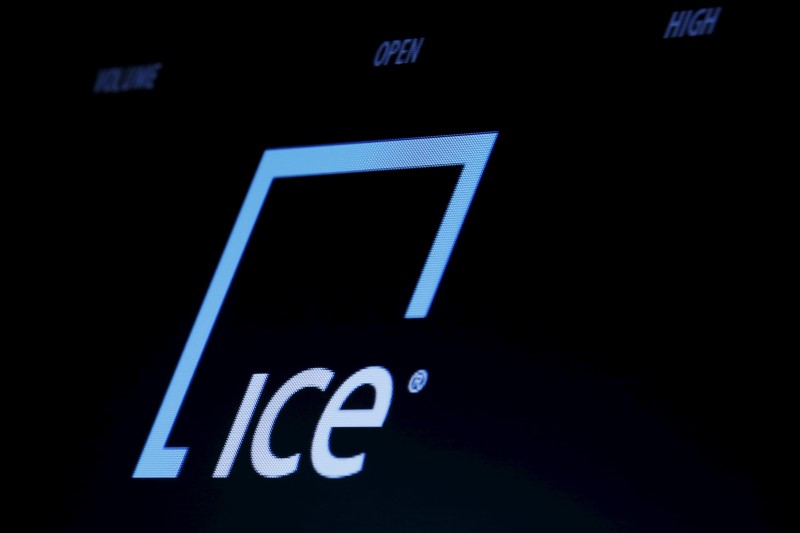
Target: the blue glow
(469, 150)
(124, 79)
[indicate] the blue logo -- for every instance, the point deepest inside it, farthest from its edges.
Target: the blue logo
(471, 151)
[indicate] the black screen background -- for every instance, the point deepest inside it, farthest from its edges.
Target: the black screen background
(603, 349)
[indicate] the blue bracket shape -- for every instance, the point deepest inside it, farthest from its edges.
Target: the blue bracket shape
(471, 151)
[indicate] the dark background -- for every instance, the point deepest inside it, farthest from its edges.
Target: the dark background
(606, 349)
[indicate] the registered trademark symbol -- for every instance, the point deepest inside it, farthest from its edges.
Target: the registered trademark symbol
(418, 381)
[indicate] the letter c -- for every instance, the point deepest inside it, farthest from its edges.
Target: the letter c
(264, 461)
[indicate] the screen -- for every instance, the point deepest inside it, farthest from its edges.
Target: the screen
(373, 270)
